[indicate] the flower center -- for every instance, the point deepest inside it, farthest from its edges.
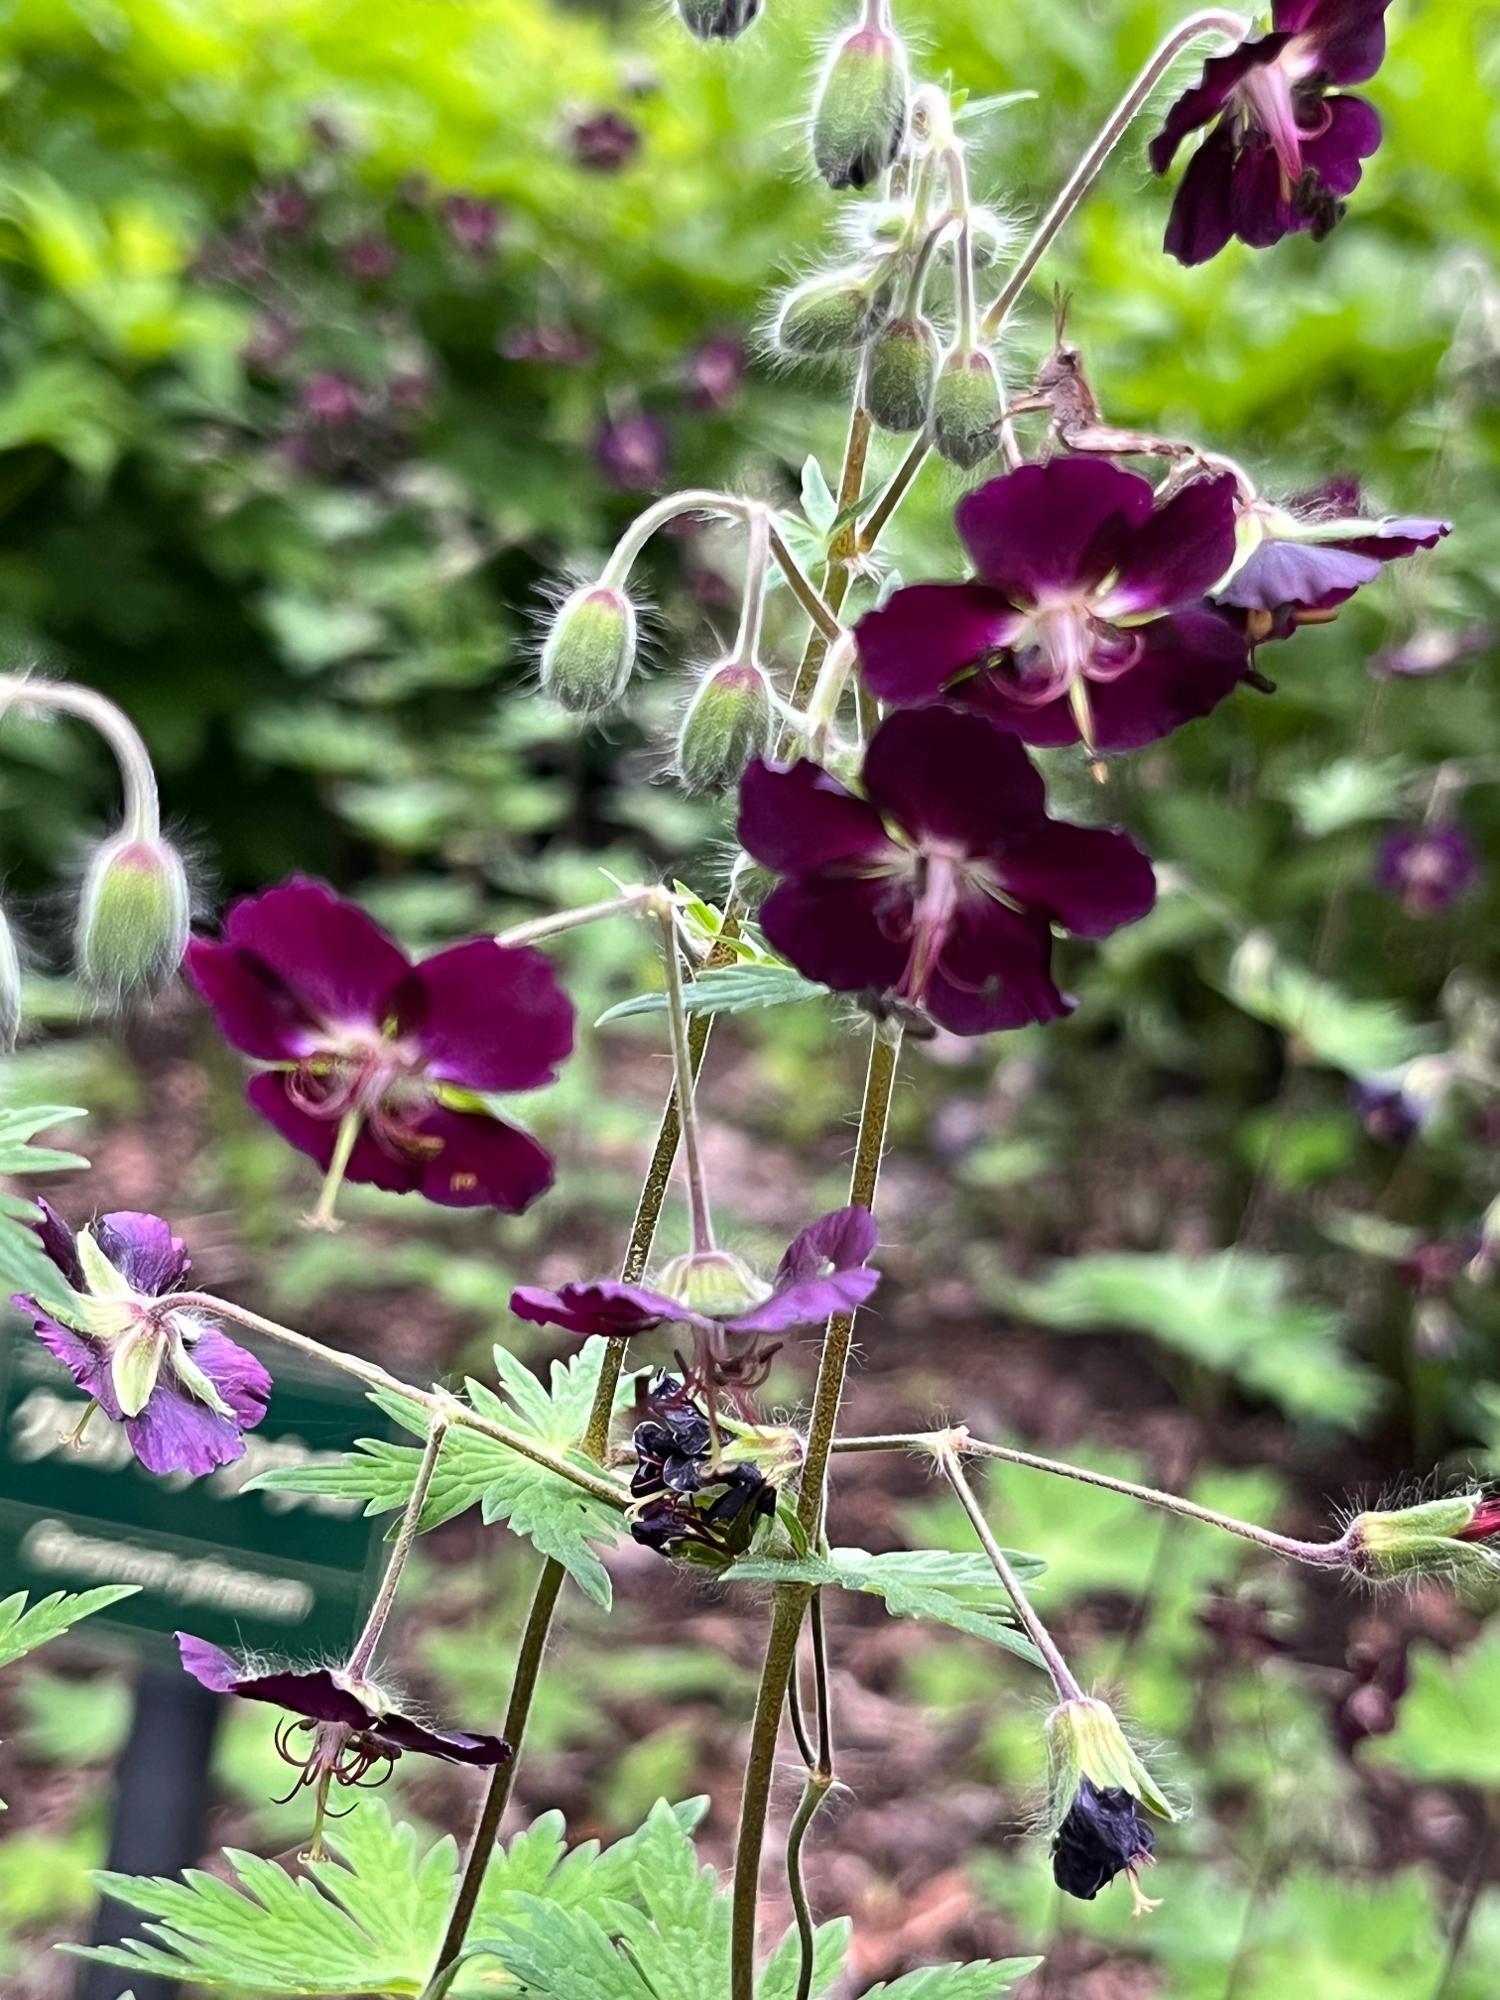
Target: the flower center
(381, 1079)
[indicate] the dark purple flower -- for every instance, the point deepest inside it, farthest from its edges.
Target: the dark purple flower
(1085, 621)
(1427, 868)
(1385, 1111)
(332, 400)
(631, 452)
(939, 886)
(352, 1029)
(1431, 650)
(183, 1391)
(284, 208)
(604, 141)
(1310, 556)
(1282, 153)
(1104, 1833)
(349, 1728)
(473, 223)
(556, 344)
(716, 372)
(371, 258)
(687, 1500)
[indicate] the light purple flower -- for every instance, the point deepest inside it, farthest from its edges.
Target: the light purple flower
(1282, 153)
(184, 1393)
(371, 258)
(1086, 619)
(310, 985)
(332, 400)
(1431, 650)
(632, 452)
(938, 888)
(716, 372)
(1427, 868)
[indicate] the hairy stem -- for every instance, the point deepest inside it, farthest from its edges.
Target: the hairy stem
(406, 1535)
(692, 500)
(684, 1077)
(535, 929)
(1058, 1668)
(824, 618)
(142, 816)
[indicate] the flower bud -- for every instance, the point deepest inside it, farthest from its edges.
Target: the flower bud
(966, 408)
(717, 20)
(900, 376)
(728, 723)
(715, 1283)
(1442, 1538)
(590, 651)
(10, 987)
(133, 917)
(827, 314)
(859, 121)
(750, 882)
(1097, 1788)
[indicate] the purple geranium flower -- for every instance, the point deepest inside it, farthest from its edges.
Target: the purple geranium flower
(715, 1295)
(632, 452)
(353, 1030)
(353, 1728)
(1086, 620)
(716, 372)
(1427, 868)
(1282, 153)
(183, 1391)
(1309, 557)
(940, 886)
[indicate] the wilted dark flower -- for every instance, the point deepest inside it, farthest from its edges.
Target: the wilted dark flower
(1103, 1833)
(715, 372)
(183, 1391)
(1099, 1793)
(472, 223)
(940, 886)
(631, 452)
(353, 1031)
(1086, 621)
(346, 1728)
(603, 141)
(690, 1502)
(1427, 868)
(1282, 153)
(332, 400)
(371, 258)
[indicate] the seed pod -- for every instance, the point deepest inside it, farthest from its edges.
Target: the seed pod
(10, 987)
(133, 918)
(717, 20)
(859, 121)
(728, 723)
(828, 314)
(589, 652)
(966, 408)
(900, 376)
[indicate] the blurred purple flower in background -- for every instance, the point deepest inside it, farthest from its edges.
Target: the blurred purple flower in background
(632, 452)
(603, 141)
(473, 224)
(371, 258)
(715, 372)
(1426, 868)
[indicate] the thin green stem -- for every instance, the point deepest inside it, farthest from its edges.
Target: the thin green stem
(753, 603)
(684, 1078)
(142, 814)
(895, 492)
(692, 500)
(411, 1524)
(1057, 1667)
(814, 1791)
(323, 1216)
(788, 1604)
(824, 618)
(631, 900)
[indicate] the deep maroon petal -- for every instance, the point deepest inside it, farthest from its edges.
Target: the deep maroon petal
(1178, 554)
(1260, 212)
(807, 1303)
(86, 1363)
(1309, 575)
(843, 930)
(256, 1011)
(1050, 527)
(796, 817)
(369, 1164)
(1201, 104)
(338, 961)
(995, 971)
(59, 1243)
(143, 1250)
(454, 1746)
(844, 1239)
(1088, 879)
(489, 1017)
(614, 1310)
(316, 1695)
(239, 1378)
(482, 1162)
(946, 775)
(1353, 133)
(177, 1433)
(1349, 34)
(916, 642)
(1202, 217)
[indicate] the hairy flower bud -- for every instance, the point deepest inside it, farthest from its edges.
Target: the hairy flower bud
(133, 917)
(10, 987)
(728, 723)
(589, 652)
(713, 1282)
(859, 121)
(899, 379)
(966, 408)
(717, 20)
(1097, 1788)
(1443, 1538)
(828, 313)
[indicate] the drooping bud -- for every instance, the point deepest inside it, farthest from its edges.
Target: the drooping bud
(134, 917)
(717, 20)
(715, 1283)
(1097, 1789)
(828, 313)
(899, 379)
(1445, 1538)
(727, 723)
(966, 408)
(589, 652)
(10, 987)
(750, 882)
(859, 121)
(989, 237)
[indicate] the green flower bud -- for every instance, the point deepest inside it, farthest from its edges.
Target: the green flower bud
(10, 987)
(1085, 1740)
(589, 652)
(900, 376)
(966, 408)
(828, 314)
(989, 237)
(1442, 1538)
(859, 121)
(133, 917)
(717, 20)
(728, 723)
(713, 1282)
(750, 882)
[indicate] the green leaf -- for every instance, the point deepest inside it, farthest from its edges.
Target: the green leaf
(1323, 1023)
(561, 1519)
(23, 1265)
(727, 989)
(981, 1980)
(957, 1590)
(22, 1630)
(818, 503)
(1345, 792)
(1445, 1730)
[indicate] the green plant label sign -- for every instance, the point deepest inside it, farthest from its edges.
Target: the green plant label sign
(284, 1573)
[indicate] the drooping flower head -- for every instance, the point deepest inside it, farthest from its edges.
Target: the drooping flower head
(360, 1040)
(184, 1393)
(1086, 619)
(341, 1731)
(937, 885)
(1426, 868)
(733, 1315)
(1283, 153)
(688, 1500)
(1100, 1794)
